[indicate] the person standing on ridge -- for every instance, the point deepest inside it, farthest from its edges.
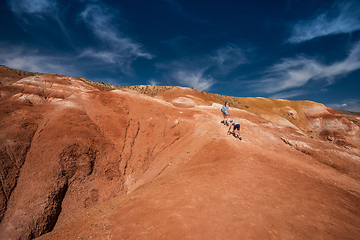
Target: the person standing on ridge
(225, 112)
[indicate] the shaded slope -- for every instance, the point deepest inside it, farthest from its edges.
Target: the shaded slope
(96, 148)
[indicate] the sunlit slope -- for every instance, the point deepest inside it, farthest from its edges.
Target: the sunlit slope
(88, 160)
(311, 118)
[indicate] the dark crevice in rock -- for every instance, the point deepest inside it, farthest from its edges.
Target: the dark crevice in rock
(58, 203)
(52, 212)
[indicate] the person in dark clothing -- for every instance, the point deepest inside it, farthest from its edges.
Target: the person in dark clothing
(236, 128)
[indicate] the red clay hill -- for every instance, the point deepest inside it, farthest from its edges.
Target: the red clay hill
(85, 160)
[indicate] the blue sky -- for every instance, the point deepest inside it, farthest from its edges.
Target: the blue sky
(291, 49)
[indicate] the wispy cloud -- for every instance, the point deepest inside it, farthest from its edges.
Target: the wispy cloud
(343, 17)
(289, 94)
(115, 47)
(21, 7)
(153, 82)
(43, 15)
(297, 72)
(194, 78)
(228, 58)
(188, 72)
(290, 73)
(109, 45)
(200, 72)
(31, 60)
(348, 104)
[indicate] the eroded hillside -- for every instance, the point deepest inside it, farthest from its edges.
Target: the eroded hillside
(80, 160)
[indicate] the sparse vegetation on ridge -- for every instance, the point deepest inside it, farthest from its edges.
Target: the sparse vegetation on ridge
(265, 108)
(21, 72)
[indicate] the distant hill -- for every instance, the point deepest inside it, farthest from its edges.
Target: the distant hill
(9, 76)
(346, 112)
(20, 72)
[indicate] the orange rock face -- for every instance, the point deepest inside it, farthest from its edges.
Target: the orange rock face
(81, 162)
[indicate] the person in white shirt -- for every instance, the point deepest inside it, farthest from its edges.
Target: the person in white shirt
(225, 112)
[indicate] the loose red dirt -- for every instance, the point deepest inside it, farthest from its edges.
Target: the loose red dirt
(83, 162)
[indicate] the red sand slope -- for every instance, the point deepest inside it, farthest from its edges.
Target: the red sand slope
(79, 163)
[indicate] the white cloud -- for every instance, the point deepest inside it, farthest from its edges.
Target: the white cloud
(20, 7)
(343, 17)
(287, 95)
(195, 72)
(39, 16)
(228, 58)
(104, 56)
(31, 60)
(194, 79)
(293, 73)
(290, 73)
(116, 48)
(153, 82)
(348, 104)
